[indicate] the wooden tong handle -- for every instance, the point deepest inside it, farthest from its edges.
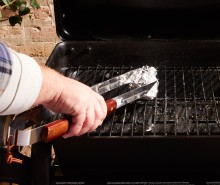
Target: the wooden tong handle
(59, 127)
(111, 106)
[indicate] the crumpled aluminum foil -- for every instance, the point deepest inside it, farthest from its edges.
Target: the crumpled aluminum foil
(135, 78)
(143, 76)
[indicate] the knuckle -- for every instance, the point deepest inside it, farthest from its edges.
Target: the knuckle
(101, 98)
(88, 124)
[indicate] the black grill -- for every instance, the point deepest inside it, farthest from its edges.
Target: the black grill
(174, 137)
(187, 102)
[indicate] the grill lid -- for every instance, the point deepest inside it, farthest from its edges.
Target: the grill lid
(98, 19)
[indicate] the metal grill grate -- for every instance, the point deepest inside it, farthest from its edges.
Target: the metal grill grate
(188, 102)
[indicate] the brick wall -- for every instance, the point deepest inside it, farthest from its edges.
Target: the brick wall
(36, 36)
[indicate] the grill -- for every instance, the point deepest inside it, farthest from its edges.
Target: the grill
(174, 137)
(176, 133)
(187, 103)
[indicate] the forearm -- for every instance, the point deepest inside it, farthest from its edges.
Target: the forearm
(51, 87)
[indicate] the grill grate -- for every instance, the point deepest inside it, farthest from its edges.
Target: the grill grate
(188, 102)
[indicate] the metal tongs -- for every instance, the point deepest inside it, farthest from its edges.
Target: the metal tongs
(22, 133)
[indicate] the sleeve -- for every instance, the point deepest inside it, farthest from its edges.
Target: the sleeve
(22, 82)
(5, 68)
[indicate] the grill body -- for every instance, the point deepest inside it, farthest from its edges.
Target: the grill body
(172, 138)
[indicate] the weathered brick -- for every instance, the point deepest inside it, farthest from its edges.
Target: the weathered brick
(36, 36)
(32, 49)
(48, 48)
(42, 13)
(43, 34)
(44, 2)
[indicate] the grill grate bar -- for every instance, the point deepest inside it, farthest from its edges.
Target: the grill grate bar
(205, 100)
(175, 101)
(144, 120)
(185, 102)
(165, 101)
(93, 80)
(155, 113)
(123, 121)
(213, 97)
(78, 72)
(195, 101)
(111, 126)
(87, 73)
(133, 120)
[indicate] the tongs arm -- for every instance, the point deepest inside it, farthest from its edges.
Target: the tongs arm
(113, 83)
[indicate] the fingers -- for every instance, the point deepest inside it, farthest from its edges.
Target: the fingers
(87, 107)
(102, 104)
(76, 126)
(88, 123)
(100, 112)
(89, 119)
(99, 117)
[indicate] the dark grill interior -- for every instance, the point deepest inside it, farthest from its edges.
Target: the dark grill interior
(187, 102)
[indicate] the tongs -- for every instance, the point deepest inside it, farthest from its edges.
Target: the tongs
(22, 133)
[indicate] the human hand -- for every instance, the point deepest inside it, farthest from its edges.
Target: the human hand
(61, 94)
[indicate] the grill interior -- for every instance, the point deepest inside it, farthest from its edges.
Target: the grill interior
(187, 102)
